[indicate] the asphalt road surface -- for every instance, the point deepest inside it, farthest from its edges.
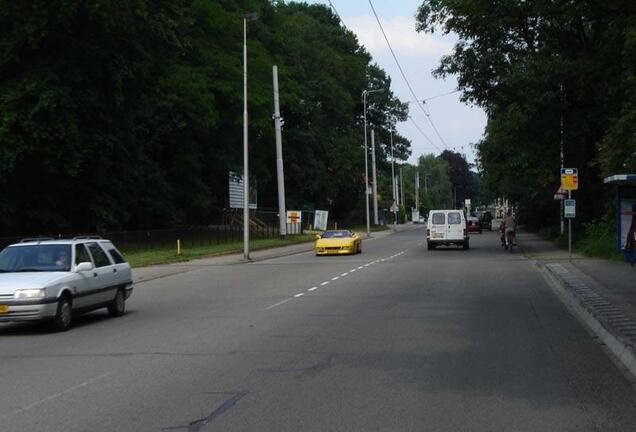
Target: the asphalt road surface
(397, 338)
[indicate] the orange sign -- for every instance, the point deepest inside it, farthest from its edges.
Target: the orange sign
(569, 179)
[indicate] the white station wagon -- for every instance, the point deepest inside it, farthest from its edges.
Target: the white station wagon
(47, 279)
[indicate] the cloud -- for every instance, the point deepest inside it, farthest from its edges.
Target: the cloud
(401, 33)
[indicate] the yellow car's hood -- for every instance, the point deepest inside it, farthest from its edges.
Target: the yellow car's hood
(334, 242)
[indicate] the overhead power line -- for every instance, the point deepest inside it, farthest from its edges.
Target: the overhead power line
(408, 84)
(336, 12)
(424, 135)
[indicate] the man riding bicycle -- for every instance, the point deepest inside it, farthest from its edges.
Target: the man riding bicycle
(508, 228)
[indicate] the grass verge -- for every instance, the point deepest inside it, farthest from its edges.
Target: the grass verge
(146, 257)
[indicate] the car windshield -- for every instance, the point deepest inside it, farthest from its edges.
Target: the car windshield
(35, 258)
(336, 234)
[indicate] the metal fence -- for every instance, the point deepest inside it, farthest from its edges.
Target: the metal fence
(167, 238)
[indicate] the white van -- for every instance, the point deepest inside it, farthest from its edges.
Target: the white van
(446, 227)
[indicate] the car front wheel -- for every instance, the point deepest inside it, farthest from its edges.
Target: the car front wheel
(118, 307)
(64, 315)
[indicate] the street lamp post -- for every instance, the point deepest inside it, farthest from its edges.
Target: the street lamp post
(246, 182)
(365, 93)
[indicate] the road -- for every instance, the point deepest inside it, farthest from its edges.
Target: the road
(397, 338)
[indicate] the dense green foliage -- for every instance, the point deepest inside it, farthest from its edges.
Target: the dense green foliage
(531, 63)
(125, 114)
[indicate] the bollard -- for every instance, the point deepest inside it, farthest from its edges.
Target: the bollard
(178, 247)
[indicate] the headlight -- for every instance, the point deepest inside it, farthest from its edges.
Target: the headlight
(29, 294)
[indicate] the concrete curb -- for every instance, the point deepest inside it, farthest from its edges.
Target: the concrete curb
(606, 321)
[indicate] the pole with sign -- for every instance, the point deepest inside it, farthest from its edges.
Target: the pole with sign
(569, 182)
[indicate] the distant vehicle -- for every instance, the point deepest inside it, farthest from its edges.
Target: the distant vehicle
(446, 227)
(420, 220)
(474, 225)
(485, 219)
(338, 242)
(46, 279)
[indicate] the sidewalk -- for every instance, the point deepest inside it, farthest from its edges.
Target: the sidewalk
(600, 293)
(146, 274)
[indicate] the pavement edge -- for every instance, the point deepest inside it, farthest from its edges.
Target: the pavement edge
(621, 347)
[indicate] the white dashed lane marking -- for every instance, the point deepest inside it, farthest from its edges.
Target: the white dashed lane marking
(335, 278)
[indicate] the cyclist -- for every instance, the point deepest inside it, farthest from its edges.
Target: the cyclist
(508, 229)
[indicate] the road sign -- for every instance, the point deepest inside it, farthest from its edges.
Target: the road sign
(320, 219)
(569, 179)
(394, 208)
(294, 219)
(569, 209)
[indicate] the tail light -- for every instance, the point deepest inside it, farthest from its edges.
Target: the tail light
(428, 233)
(465, 232)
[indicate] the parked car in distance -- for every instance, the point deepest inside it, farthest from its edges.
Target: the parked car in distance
(51, 280)
(485, 220)
(474, 225)
(338, 242)
(446, 227)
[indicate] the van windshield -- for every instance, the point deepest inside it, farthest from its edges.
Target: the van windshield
(439, 219)
(454, 218)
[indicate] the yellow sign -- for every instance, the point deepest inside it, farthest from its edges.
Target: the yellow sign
(569, 179)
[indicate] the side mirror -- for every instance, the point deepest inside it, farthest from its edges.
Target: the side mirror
(318, 236)
(83, 266)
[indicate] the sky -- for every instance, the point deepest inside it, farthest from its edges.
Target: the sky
(458, 124)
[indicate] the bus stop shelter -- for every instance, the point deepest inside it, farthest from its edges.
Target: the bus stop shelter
(625, 212)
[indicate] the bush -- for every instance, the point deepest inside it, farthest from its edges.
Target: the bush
(599, 240)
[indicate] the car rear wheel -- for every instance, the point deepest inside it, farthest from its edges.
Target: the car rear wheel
(466, 246)
(118, 307)
(431, 246)
(64, 315)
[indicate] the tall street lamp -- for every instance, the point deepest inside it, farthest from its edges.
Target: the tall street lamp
(246, 182)
(365, 93)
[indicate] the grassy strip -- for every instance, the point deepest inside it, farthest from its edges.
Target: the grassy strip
(146, 257)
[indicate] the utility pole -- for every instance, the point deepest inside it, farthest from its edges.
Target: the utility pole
(375, 180)
(562, 157)
(417, 190)
(282, 214)
(246, 181)
(402, 187)
(393, 185)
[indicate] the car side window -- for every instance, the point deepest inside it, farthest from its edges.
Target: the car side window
(80, 254)
(439, 219)
(116, 256)
(99, 256)
(454, 218)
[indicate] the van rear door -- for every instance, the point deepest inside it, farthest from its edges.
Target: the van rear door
(438, 226)
(456, 225)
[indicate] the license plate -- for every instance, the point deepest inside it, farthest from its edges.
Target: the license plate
(4, 309)
(438, 235)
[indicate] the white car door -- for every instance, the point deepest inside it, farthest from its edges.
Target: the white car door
(86, 279)
(105, 284)
(456, 225)
(438, 225)
(123, 274)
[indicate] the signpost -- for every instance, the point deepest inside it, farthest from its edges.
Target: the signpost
(294, 221)
(569, 182)
(320, 220)
(569, 179)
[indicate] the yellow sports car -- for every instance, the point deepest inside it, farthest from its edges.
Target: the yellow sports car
(338, 242)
